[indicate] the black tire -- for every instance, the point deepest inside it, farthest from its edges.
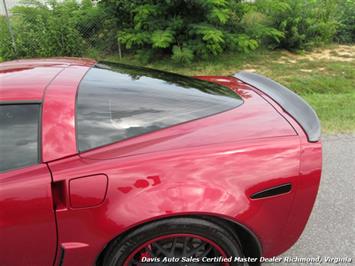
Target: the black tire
(120, 249)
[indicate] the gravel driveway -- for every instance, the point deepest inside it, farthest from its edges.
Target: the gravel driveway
(330, 231)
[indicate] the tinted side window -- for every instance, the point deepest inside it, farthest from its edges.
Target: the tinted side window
(116, 102)
(19, 135)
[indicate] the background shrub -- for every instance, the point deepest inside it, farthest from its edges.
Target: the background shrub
(187, 29)
(49, 29)
(304, 23)
(346, 17)
(180, 29)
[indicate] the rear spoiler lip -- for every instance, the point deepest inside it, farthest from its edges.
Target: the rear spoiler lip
(289, 101)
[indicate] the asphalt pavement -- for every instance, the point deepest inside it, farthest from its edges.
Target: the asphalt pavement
(330, 232)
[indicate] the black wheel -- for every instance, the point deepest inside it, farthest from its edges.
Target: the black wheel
(177, 241)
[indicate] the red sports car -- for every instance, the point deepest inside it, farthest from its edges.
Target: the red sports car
(110, 164)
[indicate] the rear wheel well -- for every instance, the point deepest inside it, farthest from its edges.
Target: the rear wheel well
(250, 244)
(248, 241)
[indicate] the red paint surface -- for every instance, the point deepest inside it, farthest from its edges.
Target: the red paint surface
(87, 191)
(58, 114)
(26, 80)
(27, 218)
(208, 166)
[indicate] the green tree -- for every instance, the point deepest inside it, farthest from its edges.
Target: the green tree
(49, 29)
(185, 29)
(304, 23)
(346, 16)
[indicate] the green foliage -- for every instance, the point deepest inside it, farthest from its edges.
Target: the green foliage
(212, 38)
(161, 39)
(182, 55)
(303, 23)
(180, 29)
(346, 15)
(49, 29)
(131, 38)
(244, 43)
(258, 25)
(6, 46)
(185, 30)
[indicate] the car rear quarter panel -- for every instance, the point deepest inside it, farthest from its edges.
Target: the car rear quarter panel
(214, 179)
(209, 166)
(309, 175)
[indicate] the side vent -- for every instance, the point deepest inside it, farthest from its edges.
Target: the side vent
(59, 195)
(272, 191)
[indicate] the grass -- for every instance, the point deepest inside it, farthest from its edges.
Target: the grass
(325, 78)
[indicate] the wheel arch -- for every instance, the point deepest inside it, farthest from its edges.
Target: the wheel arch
(250, 243)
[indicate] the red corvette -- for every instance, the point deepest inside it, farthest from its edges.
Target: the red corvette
(109, 164)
